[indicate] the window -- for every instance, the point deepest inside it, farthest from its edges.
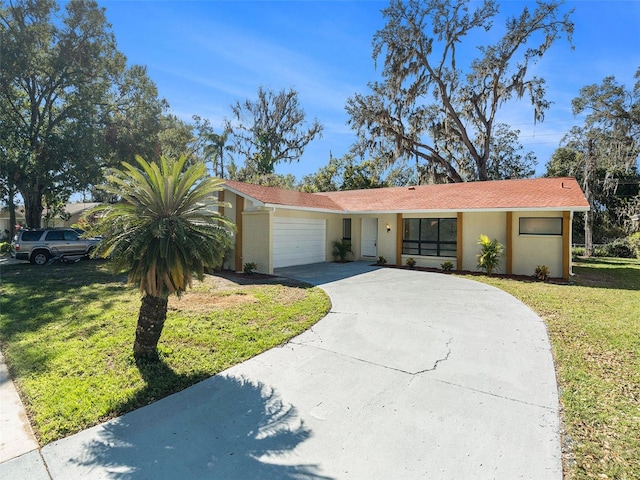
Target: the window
(71, 235)
(346, 229)
(541, 226)
(54, 235)
(31, 235)
(432, 237)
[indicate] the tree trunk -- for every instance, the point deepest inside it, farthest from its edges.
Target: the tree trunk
(153, 313)
(588, 234)
(588, 193)
(32, 196)
(12, 210)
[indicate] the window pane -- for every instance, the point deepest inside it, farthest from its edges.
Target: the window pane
(55, 235)
(411, 229)
(31, 236)
(410, 248)
(448, 229)
(428, 249)
(429, 229)
(541, 226)
(71, 235)
(346, 229)
(448, 251)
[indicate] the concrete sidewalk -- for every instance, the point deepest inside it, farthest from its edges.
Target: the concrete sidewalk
(411, 375)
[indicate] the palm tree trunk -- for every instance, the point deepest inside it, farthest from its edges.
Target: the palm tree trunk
(153, 313)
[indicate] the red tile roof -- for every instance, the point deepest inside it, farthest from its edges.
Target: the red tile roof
(536, 194)
(280, 196)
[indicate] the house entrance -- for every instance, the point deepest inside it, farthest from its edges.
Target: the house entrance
(369, 239)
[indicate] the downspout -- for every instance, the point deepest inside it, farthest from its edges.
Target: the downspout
(509, 253)
(399, 230)
(566, 244)
(459, 257)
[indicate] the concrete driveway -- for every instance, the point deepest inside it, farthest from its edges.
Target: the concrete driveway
(412, 375)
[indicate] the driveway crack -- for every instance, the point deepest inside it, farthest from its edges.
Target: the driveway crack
(438, 361)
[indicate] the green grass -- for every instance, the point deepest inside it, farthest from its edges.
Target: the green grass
(594, 326)
(67, 335)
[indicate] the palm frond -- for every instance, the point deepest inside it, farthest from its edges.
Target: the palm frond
(167, 227)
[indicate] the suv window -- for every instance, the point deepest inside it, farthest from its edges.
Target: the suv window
(71, 235)
(55, 235)
(31, 235)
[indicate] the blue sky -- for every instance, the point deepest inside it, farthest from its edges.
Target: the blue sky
(205, 55)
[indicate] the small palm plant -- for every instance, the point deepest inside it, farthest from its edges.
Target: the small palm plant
(490, 253)
(341, 248)
(165, 230)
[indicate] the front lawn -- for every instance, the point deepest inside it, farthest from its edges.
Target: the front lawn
(594, 326)
(67, 331)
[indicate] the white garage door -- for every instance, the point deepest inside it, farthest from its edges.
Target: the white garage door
(298, 241)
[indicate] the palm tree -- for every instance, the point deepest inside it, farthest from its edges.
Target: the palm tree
(216, 148)
(164, 231)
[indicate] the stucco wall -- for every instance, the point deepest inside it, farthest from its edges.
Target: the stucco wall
(492, 224)
(256, 239)
(530, 251)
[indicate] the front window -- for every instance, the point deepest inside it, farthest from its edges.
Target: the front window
(430, 237)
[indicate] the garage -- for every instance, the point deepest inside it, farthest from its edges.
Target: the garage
(298, 241)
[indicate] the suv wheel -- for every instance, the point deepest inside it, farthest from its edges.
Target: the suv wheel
(40, 257)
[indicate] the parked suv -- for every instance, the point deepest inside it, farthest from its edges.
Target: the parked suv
(39, 245)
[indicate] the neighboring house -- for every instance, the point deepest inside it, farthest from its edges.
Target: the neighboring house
(5, 222)
(73, 212)
(430, 223)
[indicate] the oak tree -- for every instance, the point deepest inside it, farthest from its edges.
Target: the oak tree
(433, 103)
(270, 130)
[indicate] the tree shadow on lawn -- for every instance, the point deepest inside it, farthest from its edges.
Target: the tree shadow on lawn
(615, 275)
(222, 428)
(46, 294)
(49, 296)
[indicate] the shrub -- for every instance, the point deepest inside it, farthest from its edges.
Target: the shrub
(250, 268)
(5, 247)
(447, 266)
(381, 260)
(490, 253)
(634, 243)
(410, 262)
(577, 252)
(619, 248)
(341, 249)
(542, 273)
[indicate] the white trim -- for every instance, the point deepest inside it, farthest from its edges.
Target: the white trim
(448, 210)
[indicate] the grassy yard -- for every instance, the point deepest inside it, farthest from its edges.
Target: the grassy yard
(594, 326)
(67, 334)
(67, 331)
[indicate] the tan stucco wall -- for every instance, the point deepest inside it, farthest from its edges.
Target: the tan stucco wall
(256, 239)
(492, 224)
(387, 240)
(529, 251)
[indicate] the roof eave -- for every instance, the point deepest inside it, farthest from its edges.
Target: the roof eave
(416, 211)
